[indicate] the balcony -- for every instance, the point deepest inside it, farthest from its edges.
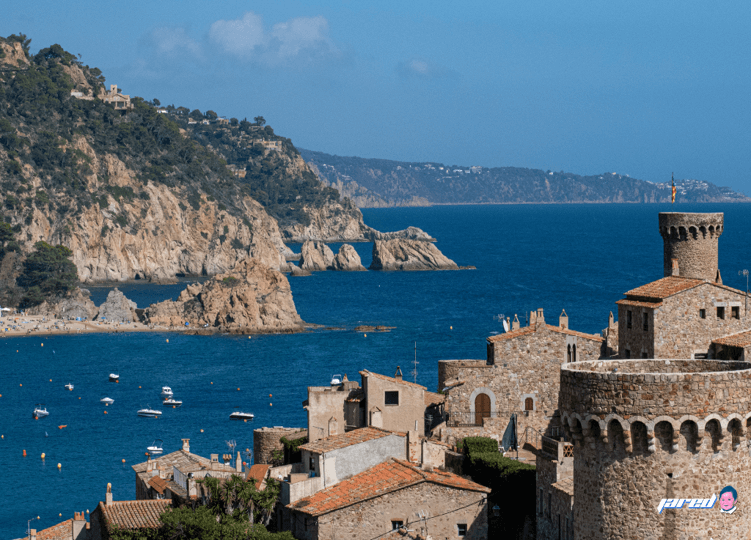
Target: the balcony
(468, 419)
(557, 449)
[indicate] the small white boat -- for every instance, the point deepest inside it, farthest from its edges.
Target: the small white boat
(69, 386)
(155, 448)
(148, 412)
(166, 392)
(237, 415)
(107, 400)
(40, 411)
(336, 379)
(174, 403)
(114, 377)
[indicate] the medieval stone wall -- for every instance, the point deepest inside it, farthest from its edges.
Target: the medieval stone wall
(676, 328)
(451, 369)
(444, 508)
(554, 505)
(645, 430)
(692, 240)
(266, 440)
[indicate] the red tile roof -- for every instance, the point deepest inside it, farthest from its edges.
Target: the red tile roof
(665, 287)
(61, 531)
(384, 478)
(741, 339)
(637, 303)
(366, 373)
(159, 484)
(257, 473)
(519, 332)
(134, 514)
(345, 439)
(432, 398)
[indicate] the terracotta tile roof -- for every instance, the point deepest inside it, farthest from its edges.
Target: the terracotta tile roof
(383, 478)
(566, 485)
(366, 373)
(184, 461)
(529, 330)
(134, 514)
(432, 398)
(637, 303)
(665, 287)
(61, 531)
(345, 439)
(741, 339)
(257, 473)
(159, 484)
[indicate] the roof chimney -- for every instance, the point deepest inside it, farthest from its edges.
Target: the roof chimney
(108, 496)
(674, 268)
(718, 279)
(563, 320)
(515, 324)
(398, 374)
(186, 445)
(239, 463)
(33, 534)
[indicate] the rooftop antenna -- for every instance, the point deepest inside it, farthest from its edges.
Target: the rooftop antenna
(232, 444)
(414, 371)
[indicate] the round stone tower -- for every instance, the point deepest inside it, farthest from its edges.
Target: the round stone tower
(267, 439)
(691, 239)
(648, 431)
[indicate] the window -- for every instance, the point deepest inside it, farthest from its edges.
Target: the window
(644, 355)
(529, 404)
(392, 398)
(720, 312)
(702, 313)
(461, 529)
(569, 353)
(573, 353)
(628, 319)
(312, 464)
(645, 321)
(396, 524)
(735, 312)
(627, 354)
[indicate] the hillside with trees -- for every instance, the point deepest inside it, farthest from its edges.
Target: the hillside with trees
(380, 182)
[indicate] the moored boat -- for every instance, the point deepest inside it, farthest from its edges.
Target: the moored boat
(238, 415)
(148, 412)
(40, 411)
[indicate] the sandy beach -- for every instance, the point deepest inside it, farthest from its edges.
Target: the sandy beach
(34, 325)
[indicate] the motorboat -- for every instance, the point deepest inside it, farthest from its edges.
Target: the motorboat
(148, 412)
(174, 403)
(237, 415)
(69, 386)
(114, 377)
(166, 392)
(336, 379)
(155, 448)
(107, 400)
(40, 411)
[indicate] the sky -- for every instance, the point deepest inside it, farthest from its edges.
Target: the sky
(642, 88)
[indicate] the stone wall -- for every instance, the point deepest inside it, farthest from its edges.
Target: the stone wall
(445, 507)
(451, 369)
(692, 240)
(326, 409)
(266, 440)
(676, 329)
(658, 429)
(554, 492)
(408, 415)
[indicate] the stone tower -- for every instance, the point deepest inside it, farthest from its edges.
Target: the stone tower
(648, 430)
(691, 240)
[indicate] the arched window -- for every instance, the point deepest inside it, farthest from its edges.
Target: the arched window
(573, 353)
(482, 408)
(569, 353)
(529, 404)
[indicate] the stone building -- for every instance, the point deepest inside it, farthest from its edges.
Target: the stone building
(384, 402)
(521, 375)
(70, 529)
(555, 489)
(391, 496)
(268, 440)
(653, 435)
(133, 516)
(121, 102)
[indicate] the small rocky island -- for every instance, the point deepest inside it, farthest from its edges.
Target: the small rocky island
(401, 254)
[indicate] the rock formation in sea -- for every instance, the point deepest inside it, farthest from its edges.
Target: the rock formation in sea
(76, 304)
(117, 308)
(250, 298)
(410, 233)
(315, 256)
(347, 260)
(401, 254)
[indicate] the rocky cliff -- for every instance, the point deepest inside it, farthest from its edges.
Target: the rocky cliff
(409, 255)
(251, 298)
(76, 304)
(317, 256)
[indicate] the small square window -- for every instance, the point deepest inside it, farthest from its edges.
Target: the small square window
(392, 398)
(735, 312)
(396, 524)
(702, 313)
(720, 312)
(645, 321)
(627, 354)
(461, 529)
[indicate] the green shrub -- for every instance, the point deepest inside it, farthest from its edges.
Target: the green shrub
(292, 452)
(236, 244)
(478, 445)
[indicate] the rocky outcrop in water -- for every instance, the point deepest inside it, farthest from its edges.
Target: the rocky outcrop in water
(409, 255)
(347, 260)
(76, 304)
(117, 308)
(410, 233)
(315, 256)
(250, 298)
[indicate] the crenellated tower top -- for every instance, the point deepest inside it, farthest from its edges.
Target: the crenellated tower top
(690, 244)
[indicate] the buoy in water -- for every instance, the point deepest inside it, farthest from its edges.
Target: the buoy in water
(59, 466)
(24, 453)
(139, 387)
(201, 431)
(451, 327)
(43, 455)
(238, 389)
(123, 461)
(365, 335)
(50, 380)
(42, 344)
(168, 341)
(20, 385)
(269, 395)
(105, 412)
(245, 419)
(63, 426)
(271, 404)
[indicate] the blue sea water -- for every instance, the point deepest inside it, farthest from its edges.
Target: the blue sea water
(580, 258)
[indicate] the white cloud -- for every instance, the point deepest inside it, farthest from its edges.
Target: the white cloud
(299, 37)
(167, 41)
(422, 69)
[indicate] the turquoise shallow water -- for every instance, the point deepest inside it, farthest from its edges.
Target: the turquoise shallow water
(578, 257)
